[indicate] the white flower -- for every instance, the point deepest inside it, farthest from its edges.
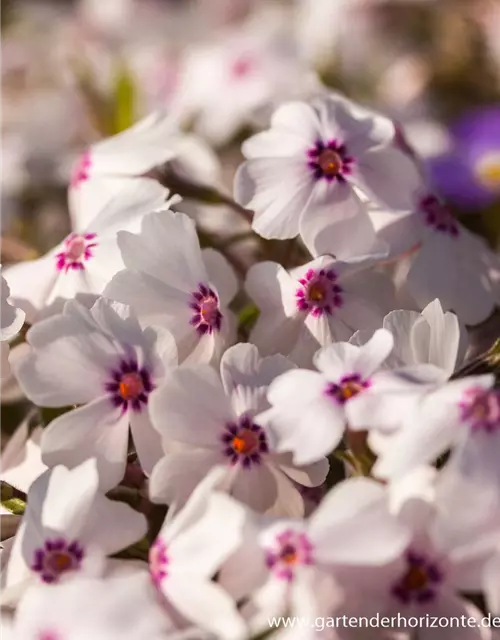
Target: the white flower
(431, 337)
(88, 258)
(170, 282)
(215, 424)
(224, 85)
(106, 167)
(452, 264)
(101, 359)
(289, 567)
(310, 409)
(452, 529)
(12, 320)
(309, 307)
(321, 162)
(463, 415)
(68, 527)
(115, 608)
(188, 552)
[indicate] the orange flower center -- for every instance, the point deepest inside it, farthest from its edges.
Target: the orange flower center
(330, 162)
(246, 441)
(415, 579)
(131, 386)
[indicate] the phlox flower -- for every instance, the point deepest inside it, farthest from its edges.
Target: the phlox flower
(320, 162)
(463, 415)
(311, 409)
(106, 167)
(88, 257)
(102, 359)
(170, 282)
(115, 608)
(288, 567)
(188, 552)
(452, 528)
(310, 306)
(68, 527)
(12, 320)
(220, 428)
(451, 264)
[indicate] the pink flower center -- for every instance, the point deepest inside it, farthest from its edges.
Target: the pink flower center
(158, 561)
(348, 387)
(242, 67)
(290, 550)
(81, 169)
(480, 408)
(131, 386)
(206, 317)
(438, 216)
(77, 250)
(319, 292)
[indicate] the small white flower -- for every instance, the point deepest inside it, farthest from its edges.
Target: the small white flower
(289, 567)
(431, 337)
(319, 162)
(68, 527)
(311, 409)
(115, 608)
(188, 552)
(87, 259)
(101, 359)
(12, 320)
(313, 305)
(463, 415)
(215, 424)
(452, 264)
(106, 167)
(170, 282)
(452, 531)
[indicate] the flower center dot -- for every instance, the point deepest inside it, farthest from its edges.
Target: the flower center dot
(288, 551)
(330, 162)
(131, 386)
(244, 442)
(348, 387)
(420, 581)
(480, 408)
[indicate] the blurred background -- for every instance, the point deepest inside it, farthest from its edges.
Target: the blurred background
(74, 71)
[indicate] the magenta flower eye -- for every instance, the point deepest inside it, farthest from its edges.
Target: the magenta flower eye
(438, 216)
(57, 557)
(206, 317)
(291, 549)
(319, 292)
(78, 249)
(420, 580)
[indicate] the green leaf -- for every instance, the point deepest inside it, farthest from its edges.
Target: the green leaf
(12, 499)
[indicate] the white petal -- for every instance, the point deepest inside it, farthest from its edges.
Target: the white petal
(353, 525)
(31, 283)
(177, 416)
(220, 274)
(146, 439)
(94, 430)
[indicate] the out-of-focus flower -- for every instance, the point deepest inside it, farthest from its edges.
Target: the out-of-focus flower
(469, 174)
(448, 261)
(224, 86)
(452, 532)
(231, 435)
(101, 359)
(310, 306)
(12, 320)
(431, 337)
(103, 609)
(463, 415)
(170, 282)
(290, 566)
(68, 527)
(317, 166)
(190, 549)
(87, 259)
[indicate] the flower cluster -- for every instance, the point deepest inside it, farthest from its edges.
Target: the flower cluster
(226, 448)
